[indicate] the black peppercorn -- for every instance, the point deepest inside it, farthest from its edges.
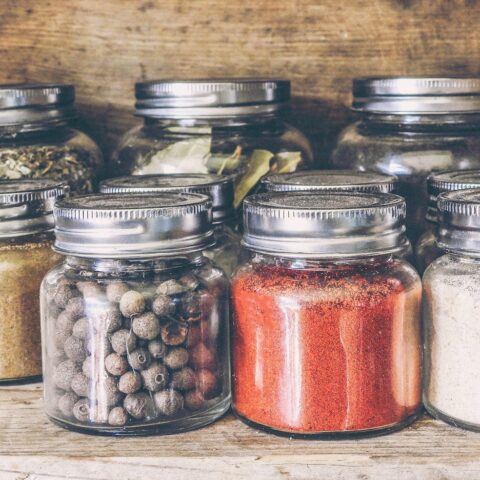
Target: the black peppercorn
(157, 349)
(138, 405)
(74, 349)
(146, 326)
(168, 402)
(155, 377)
(174, 333)
(76, 307)
(163, 306)
(81, 328)
(123, 341)
(171, 287)
(184, 379)
(80, 384)
(116, 364)
(66, 403)
(139, 359)
(132, 303)
(118, 417)
(176, 358)
(81, 410)
(116, 290)
(130, 382)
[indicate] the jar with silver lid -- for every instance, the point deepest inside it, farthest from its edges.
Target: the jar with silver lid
(219, 126)
(135, 322)
(225, 252)
(326, 317)
(37, 139)
(26, 224)
(427, 250)
(411, 127)
(452, 302)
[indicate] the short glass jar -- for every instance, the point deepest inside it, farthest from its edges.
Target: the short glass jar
(219, 126)
(326, 329)
(135, 322)
(226, 250)
(37, 141)
(26, 224)
(427, 250)
(410, 127)
(452, 302)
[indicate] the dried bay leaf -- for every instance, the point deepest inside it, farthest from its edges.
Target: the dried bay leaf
(286, 162)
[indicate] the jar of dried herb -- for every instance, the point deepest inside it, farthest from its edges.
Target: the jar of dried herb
(411, 127)
(135, 323)
(229, 126)
(38, 141)
(326, 329)
(26, 225)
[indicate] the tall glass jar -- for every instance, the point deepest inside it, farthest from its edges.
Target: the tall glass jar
(226, 250)
(410, 127)
(427, 250)
(26, 225)
(452, 303)
(135, 322)
(219, 126)
(37, 141)
(326, 329)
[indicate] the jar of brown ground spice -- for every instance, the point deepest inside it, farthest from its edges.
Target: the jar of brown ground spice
(26, 222)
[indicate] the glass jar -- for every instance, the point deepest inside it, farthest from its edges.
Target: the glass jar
(452, 302)
(326, 329)
(427, 250)
(36, 140)
(409, 127)
(135, 322)
(226, 250)
(230, 126)
(26, 223)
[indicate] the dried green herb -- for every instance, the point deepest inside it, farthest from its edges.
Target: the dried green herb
(286, 162)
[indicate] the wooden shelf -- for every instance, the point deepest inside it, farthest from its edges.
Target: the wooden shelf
(31, 447)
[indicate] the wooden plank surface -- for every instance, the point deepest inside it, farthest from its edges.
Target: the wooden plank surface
(33, 448)
(104, 46)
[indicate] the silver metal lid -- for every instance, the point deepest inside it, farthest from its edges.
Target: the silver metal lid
(330, 225)
(416, 95)
(133, 225)
(212, 98)
(31, 104)
(448, 181)
(327, 180)
(459, 221)
(26, 206)
(219, 188)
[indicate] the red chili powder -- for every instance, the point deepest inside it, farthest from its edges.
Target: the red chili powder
(326, 350)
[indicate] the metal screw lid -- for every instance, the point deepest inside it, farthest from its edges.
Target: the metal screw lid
(459, 221)
(448, 181)
(33, 104)
(26, 206)
(133, 225)
(219, 188)
(416, 95)
(327, 180)
(212, 98)
(330, 225)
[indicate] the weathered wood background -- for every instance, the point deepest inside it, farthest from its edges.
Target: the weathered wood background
(103, 46)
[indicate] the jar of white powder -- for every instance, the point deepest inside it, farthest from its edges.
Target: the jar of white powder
(452, 311)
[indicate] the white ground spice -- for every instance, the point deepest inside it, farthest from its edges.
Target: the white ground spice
(452, 316)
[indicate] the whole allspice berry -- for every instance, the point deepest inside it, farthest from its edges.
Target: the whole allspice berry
(116, 364)
(91, 290)
(106, 318)
(80, 384)
(190, 281)
(88, 366)
(207, 383)
(130, 382)
(81, 410)
(116, 290)
(155, 377)
(202, 357)
(76, 307)
(108, 393)
(123, 341)
(194, 400)
(81, 328)
(157, 349)
(62, 293)
(184, 379)
(139, 359)
(132, 303)
(61, 337)
(118, 417)
(146, 326)
(98, 345)
(194, 336)
(64, 372)
(176, 358)
(174, 333)
(66, 403)
(74, 349)
(137, 405)
(168, 402)
(163, 306)
(65, 322)
(171, 287)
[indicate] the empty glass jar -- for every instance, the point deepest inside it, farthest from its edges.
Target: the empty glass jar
(135, 322)
(37, 141)
(220, 126)
(409, 127)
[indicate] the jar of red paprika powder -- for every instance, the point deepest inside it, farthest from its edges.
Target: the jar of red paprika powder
(326, 330)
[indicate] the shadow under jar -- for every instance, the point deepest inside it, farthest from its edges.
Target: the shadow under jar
(135, 322)
(410, 127)
(452, 302)
(226, 249)
(37, 140)
(326, 329)
(219, 126)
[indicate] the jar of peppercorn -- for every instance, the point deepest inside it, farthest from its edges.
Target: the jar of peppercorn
(326, 330)
(135, 322)
(219, 188)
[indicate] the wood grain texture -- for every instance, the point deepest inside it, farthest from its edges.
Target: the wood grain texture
(104, 46)
(30, 445)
